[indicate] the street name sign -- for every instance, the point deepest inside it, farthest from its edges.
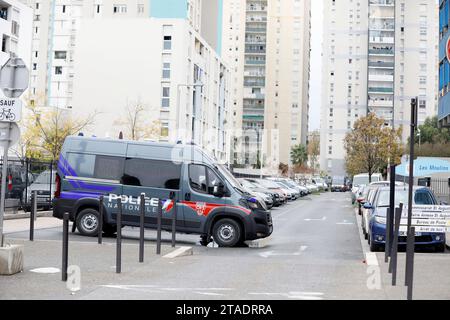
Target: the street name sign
(427, 218)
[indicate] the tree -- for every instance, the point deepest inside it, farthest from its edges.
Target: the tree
(314, 149)
(299, 155)
(46, 128)
(433, 140)
(371, 145)
(136, 124)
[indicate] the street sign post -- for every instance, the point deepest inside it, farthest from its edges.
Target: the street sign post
(14, 78)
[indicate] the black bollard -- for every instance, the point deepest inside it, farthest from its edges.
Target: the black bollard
(394, 249)
(119, 237)
(410, 259)
(65, 246)
(142, 226)
(32, 214)
(100, 220)
(158, 234)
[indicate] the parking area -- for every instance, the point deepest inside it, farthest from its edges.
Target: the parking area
(315, 252)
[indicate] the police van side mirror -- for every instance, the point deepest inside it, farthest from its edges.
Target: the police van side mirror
(219, 190)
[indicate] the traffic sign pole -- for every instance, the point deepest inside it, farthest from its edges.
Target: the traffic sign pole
(3, 186)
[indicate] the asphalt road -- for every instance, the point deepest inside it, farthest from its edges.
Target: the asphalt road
(314, 253)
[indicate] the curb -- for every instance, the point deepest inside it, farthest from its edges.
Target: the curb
(17, 216)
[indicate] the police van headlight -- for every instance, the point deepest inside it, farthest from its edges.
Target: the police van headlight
(252, 203)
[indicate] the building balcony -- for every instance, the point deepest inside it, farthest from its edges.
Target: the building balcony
(380, 103)
(380, 90)
(382, 40)
(381, 64)
(256, 62)
(253, 118)
(382, 52)
(249, 83)
(381, 77)
(386, 3)
(255, 30)
(255, 96)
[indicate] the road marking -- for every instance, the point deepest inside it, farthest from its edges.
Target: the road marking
(267, 254)
(345, 222)
(209, 293)
(292, 295)
(371, 259)
(49, 270)
(322, 219)
(180, 252)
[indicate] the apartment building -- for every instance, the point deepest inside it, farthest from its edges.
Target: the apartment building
(15, 31)
(267, 45)
(166, 66)
(444, 63)
(377, 56)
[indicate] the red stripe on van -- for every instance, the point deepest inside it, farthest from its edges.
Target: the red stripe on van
(204, 208)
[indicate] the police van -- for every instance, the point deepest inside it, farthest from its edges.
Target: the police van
(209, 200)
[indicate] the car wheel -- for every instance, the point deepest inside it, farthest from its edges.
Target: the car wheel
(26, 208)
(227, 233)
(87, 222)
(439, 247)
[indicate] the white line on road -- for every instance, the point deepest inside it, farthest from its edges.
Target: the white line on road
(371, 259)
(267, 254)
(46, 270)
(292, 295)
(322, 219)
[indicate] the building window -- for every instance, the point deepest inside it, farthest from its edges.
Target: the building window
(34, 66)
(167, 42)
(61, 55)
(140, 8)
(164, 129)
(58, 70)
(120, 8)
(165, 102)
(166, 70)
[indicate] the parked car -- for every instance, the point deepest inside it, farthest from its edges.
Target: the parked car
(292, 185)
(363, 180)
(270, 185)
(377, 222)
(338, 184)
(293, 193)
(19, 181)
(320, 183)
(267, 196)
(45, 187)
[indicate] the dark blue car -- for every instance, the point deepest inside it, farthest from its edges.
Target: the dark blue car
(378, 211)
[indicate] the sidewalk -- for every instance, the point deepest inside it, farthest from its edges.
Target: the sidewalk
(21, 225)
(26, 215)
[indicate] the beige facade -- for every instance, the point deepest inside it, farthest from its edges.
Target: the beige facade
(377, 56)
(267, 45)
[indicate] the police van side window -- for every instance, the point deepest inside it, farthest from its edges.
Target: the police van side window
(202, 179)
(152, 173)
(108, 168)
(82, 164)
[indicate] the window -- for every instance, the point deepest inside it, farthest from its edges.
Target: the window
(109, 168)
(166, 70)
(167, 42)
(152, 173)
(64, 9)
(164, 129)
(165, 101)
(120, 8)
(61, 55)
(140, 8)
(58, 70)
(202, 179)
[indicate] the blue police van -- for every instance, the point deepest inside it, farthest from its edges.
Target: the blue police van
(209, 200)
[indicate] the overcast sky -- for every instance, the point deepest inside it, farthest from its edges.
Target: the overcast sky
(316, 64)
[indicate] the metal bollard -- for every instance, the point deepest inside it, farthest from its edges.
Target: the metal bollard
(158, 234)
(65, 246)
(142, 230)
(100, 220)
(410, 259)
(394, 249)
(174, 219)
(119, 237)
(32, 214)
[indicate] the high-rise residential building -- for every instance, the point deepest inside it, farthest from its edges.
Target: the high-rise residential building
(267, 46)
(377, 56)
(106, 56)
(444, 63)
(16, 21)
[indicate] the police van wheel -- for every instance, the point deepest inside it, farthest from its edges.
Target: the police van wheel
(87, 222)
(227, 233)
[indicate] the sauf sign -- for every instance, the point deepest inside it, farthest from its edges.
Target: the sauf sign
(10, 109)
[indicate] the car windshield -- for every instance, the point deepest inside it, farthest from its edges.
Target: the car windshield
(44, 178)
(401, 196)
(268, 184)
(364, 180)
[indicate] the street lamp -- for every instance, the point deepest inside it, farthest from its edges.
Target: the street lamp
(197, 84)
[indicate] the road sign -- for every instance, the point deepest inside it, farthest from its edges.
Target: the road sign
(427, 218)
(10, 109)
(14, 78)
(9, 139)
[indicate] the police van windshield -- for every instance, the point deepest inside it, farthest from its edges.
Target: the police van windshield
(230, 178)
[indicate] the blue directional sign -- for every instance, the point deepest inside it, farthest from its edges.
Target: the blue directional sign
(424, 167)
